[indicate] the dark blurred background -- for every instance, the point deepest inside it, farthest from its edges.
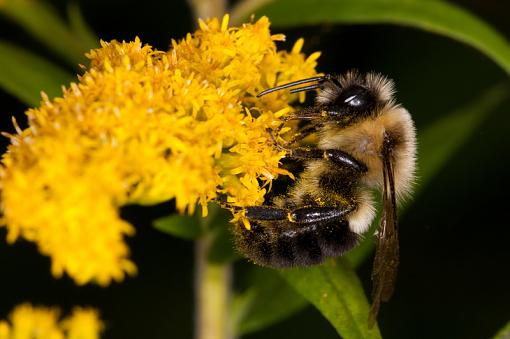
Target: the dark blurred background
(454, 278)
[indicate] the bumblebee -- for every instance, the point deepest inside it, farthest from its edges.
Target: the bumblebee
(365, 141)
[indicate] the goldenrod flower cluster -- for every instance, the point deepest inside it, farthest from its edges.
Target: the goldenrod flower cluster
(145, 126)
(27, 322)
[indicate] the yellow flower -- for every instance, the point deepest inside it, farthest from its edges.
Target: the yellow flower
(83, 323)
(144, 126)
(27, 322)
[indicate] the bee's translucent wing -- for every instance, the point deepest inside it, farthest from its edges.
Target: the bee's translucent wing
(386, 259)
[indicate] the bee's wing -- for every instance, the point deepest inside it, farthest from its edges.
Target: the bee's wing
(386, 260)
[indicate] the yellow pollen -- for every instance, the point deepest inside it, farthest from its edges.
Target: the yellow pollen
(290, 218)
(246, 223)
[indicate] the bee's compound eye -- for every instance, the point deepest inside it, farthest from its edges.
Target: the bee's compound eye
(354, 101)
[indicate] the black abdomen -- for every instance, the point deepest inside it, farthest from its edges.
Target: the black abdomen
(286, 244)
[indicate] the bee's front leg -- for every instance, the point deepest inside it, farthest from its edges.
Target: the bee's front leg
(336, 156)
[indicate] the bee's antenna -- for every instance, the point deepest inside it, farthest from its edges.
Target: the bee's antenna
(305, 88)
(295, 83)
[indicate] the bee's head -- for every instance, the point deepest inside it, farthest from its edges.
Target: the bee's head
(345, 99)
(353, 97)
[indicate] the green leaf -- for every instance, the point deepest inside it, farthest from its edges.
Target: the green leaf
(267, 301)
(360, 254)
(216, 224)
(438, 142)
(433, 16)
(222, 250)
(181, 226)
(504, 333)
(80, 28)
(43, 22)
(336, 291)
(25, 75)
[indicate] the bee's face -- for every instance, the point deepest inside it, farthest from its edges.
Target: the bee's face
(351, 98)
(353, 102)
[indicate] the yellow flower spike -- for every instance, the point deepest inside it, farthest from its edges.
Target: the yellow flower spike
(4, 330)
(144, 126)
(28, 322)
(34, 323)
(83, 324)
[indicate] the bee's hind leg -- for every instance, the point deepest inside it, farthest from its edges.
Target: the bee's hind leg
(302, 215)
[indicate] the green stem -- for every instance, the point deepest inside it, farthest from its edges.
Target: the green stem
(212, 294)
(243, 9)
(212, 280)
(203, 9)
